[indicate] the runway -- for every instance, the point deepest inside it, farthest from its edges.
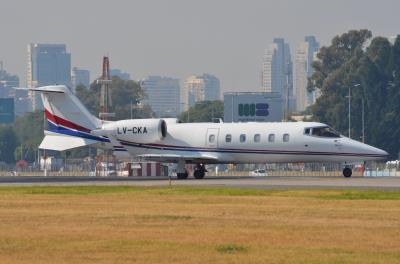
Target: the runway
(268, 182)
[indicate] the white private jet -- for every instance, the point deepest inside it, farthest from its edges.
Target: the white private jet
(70, 125)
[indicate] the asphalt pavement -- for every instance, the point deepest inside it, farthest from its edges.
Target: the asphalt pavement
(268, 182)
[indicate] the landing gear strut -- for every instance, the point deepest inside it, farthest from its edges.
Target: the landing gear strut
(181, 172)
(347, 172)
(199, 171)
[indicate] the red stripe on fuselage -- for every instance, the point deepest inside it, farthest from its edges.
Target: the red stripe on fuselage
(61, 121)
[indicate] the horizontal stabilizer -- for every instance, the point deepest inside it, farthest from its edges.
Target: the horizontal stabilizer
(48, 89)
(55, 141)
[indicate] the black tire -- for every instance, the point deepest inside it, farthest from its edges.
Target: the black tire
(199, 174)
(347, 172)
(182, 176)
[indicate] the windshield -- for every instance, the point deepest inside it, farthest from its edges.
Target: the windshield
(324, 132)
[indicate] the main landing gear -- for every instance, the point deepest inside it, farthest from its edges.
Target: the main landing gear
(347, 172)
(199, 171)
(182, 173)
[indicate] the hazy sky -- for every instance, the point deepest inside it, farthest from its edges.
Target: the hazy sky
(178, 38)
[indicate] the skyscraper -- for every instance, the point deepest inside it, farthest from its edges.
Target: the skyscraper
(162, 94)
(277, 71)
(304, 58)
(47, 64)
(200, 88)
(80, 77)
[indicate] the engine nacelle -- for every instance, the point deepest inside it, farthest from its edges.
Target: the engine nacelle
(135, 130)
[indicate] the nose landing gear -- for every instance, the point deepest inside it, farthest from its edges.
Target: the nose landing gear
(347, 172)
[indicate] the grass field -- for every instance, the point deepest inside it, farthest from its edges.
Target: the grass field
(197, 225)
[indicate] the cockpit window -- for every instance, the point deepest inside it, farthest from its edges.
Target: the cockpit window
(324, 132)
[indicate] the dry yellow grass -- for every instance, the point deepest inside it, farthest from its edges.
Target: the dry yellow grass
(140, 225)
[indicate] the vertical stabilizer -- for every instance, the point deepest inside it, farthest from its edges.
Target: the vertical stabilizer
(70, 123)
(64, 110)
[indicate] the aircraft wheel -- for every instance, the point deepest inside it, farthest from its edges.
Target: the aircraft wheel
(347, 172)
(199, 174)
(182, 176)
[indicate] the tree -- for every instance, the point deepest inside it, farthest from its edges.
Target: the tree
(29, 131)
(334, 72)
(8, 143)
(123, 92)
(203, 111)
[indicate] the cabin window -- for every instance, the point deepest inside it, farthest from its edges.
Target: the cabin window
(211, 138)
(242, 138)
(257, 138)
(271, 137)
(228, 138)
(307, 131)
(285, 137)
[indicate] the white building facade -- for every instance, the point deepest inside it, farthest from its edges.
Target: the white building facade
(198, 88)
(304, 57)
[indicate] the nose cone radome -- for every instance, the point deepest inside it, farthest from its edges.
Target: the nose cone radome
(378, 153)
(381, 152)
(367, 151)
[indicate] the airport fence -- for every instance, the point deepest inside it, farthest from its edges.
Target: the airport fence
(82, 168)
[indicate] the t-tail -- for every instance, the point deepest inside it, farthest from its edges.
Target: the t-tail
(69, 122)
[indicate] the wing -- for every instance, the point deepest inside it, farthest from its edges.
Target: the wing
(174, 158)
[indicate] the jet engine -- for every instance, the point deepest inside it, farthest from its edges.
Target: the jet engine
(135, 130)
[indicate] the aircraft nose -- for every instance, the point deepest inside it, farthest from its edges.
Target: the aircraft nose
(380, 153)
(367, 151)
(383, 153)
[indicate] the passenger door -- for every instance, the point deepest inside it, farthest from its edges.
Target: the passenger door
(212, 137)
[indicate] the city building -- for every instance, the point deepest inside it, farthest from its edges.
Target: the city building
(277, 72)
(48, 64)
(7, 112)
(253, 107)
(80, 77)
(117, 72)
(22, 102)
(304, 57)
(197, 88)
(8, 83)
(162, 94)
